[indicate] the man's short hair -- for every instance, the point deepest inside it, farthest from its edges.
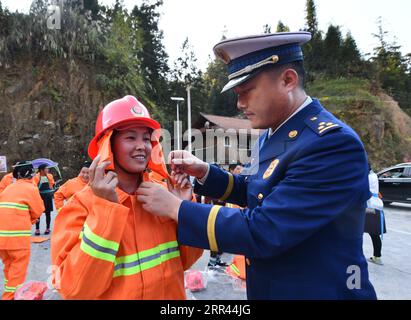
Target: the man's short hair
(297, 66)
(86, 164)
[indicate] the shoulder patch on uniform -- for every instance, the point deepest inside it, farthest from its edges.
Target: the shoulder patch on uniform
(322, 123)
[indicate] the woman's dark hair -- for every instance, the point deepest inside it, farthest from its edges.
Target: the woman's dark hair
(42, 166)
(23, 170)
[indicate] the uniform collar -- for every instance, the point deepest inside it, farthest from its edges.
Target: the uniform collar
(307, 102)
(289, 131)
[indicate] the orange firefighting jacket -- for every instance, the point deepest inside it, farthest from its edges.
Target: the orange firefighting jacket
(20, 206)
(237, 266)
(67, 190)
(36, 180)
(6, 181)
(106, 250)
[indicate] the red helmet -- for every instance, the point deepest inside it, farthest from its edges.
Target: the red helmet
(127, 110)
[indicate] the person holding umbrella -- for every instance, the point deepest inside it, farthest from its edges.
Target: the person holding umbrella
(45, 182)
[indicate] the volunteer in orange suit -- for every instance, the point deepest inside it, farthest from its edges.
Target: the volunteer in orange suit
(67, 190)
(105, 245)
(20, 206)
(6, 181)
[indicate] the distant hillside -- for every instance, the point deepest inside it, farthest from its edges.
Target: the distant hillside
(382, 125)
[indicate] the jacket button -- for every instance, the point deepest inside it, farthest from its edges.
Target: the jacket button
(260, 196)
(247, 261)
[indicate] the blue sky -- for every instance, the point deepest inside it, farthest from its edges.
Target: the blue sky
(204, 21)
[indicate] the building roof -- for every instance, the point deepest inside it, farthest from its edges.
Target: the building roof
(222, 122)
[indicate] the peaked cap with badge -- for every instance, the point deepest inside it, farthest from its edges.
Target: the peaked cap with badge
(304, 194)
(247, 56)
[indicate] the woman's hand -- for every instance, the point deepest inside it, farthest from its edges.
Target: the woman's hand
(181, 186)
(103, 185)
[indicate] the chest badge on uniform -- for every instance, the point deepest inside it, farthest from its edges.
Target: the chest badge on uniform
(270, 169)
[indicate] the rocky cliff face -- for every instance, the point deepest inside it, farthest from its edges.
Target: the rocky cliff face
(48, 109)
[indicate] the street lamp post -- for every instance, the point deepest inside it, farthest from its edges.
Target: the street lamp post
(189, 116)
(178, 120)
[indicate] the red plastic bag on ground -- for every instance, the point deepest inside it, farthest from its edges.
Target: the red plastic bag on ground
(31, 290)
(194, 280)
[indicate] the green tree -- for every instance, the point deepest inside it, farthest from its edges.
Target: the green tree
(281, 27)
(215, 78)
(313, 51)
(4, 21)
(332, 48)
(94, 8)
(186, 73)
(311, 18)
(150, 51)
(392, 68)
(122, 74)
(352, 63)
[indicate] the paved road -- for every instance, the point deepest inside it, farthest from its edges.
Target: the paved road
(391, 281)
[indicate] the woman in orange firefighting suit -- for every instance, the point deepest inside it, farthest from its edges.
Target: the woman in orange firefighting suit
(6, 181)
(68, 189)
(20, 206)
(105, 245)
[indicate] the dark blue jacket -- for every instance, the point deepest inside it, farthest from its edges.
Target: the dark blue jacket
(302, 231)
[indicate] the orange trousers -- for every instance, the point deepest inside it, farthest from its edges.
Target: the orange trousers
(15, 270)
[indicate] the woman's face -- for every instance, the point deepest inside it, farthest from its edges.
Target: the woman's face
(132, 149)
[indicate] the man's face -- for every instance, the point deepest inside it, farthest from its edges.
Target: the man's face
(264, 99)
(132, 149)
(238, 169)
(84, 174)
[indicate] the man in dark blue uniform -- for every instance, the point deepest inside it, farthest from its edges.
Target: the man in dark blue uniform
(305, 189)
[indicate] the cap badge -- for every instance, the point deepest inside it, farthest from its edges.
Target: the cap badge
(137, 111)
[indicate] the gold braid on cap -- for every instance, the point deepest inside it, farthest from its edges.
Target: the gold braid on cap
(270, 60)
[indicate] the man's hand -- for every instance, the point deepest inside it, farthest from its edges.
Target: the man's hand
(182, 161)
(103, 185)
(158, 201)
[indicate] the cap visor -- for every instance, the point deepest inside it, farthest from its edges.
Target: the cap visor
(235, 82)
